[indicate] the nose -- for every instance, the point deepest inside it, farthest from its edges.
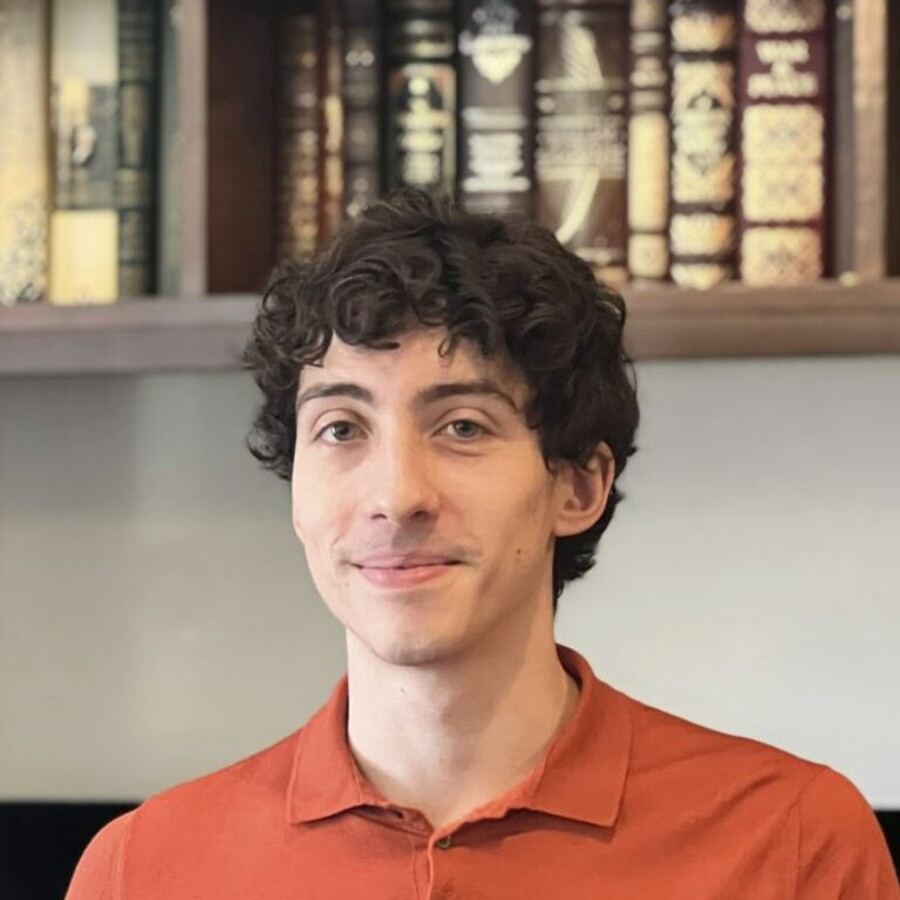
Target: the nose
(401, 477)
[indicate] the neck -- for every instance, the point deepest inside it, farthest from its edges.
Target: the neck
(447, 737)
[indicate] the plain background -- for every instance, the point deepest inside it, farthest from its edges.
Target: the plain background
(157, 619)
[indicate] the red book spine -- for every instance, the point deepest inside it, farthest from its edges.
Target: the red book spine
(783, 96)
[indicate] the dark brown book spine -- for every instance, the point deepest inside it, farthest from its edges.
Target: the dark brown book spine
(702, 226)
(648, 141)
(362, 67)
(581, 131)
(297, 142)
(421, 96)
(240, 148)
(331, 121)
(783, 101)
(496, 96)
(893, 171)
(136, 168)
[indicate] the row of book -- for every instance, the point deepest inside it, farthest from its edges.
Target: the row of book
(680, 140)
(79, 86)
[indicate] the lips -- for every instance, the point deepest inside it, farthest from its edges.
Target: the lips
(405, 562)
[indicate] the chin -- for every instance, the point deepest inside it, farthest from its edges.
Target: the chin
(401, 648)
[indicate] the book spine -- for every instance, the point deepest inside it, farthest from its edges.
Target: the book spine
(496, 97)
(361, 78)
(581, 132)
(298, 139)
(843, 142)
(783, 84)
(331, 121)
(648, 142)
(136, 171)
(168, 255)
(421, 96)
(24, 151)
(702, 210)
(84, 222)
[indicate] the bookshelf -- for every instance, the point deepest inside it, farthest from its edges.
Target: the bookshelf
(196, 330)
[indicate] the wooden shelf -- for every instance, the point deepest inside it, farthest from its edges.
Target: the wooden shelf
(664, 322)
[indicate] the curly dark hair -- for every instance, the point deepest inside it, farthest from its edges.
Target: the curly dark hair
(507, 286)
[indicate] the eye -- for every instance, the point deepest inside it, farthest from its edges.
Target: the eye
(468, 426)
(336, 429)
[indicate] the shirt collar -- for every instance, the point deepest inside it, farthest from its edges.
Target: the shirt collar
(581, 777)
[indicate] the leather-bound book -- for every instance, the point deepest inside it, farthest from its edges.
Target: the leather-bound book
(137, 168)
(581, 131)
(331, 121)
(297, 134)
(420, 135)
(648, 142)
(496, 99)
(702, 224)
(24, 147)
(783, 102)
(361, 77)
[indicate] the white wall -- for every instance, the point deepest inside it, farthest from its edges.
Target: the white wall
(157, 620)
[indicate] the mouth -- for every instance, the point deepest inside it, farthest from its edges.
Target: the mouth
(405, 576)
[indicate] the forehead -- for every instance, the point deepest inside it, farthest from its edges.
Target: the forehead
(415, 363)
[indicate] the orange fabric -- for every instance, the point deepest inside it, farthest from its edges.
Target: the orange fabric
(630, 802)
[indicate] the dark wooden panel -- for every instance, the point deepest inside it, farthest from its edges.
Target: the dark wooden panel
(240, 152)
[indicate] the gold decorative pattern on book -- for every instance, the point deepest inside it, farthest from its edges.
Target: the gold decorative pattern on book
(648, 189)
(648, 255)
(786, 192)
(701, 276)
(703, 32)
(701, 234)
(780, 16)
(780, 255)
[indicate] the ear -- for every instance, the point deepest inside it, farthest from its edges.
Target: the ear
(583, 492)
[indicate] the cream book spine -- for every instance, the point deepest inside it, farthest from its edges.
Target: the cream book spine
(84, 108)
(24, 150)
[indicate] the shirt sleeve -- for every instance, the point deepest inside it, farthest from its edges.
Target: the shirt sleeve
(98, 875)
(842, 853)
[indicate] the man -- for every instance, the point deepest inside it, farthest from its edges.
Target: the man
(450, 400)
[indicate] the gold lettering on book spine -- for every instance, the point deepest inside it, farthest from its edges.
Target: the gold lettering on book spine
(703, 32)
(781, 16)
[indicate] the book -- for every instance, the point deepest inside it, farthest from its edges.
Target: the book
(297, 141)
(842, 171)
(24, 151)
(241, 145)
(420, 148)
(168, 182)
(581, 131)
(703, 186)
(783, 101)
(360, 90)
(496, 97)
(648, 142)
(136, 170)
(84, 222)
(331, 122)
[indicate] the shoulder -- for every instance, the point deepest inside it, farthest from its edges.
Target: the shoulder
(173, 822)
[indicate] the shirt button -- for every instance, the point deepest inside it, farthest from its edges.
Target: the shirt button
(444, 842)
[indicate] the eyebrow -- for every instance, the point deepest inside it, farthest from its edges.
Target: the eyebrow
(423, 398)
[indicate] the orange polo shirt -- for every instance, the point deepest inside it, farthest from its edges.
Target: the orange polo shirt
(629, 802)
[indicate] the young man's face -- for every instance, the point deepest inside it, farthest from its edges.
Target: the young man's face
(393, 466)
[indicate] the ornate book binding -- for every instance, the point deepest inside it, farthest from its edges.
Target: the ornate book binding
(581, 132)
(648, 142)
(783, 63)
(702, 228)
(421, 96)
(362, 65)
(496, 87)
(331, 122)
(84, 223)
(297, 138)
(24, 145)
(136, 171)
